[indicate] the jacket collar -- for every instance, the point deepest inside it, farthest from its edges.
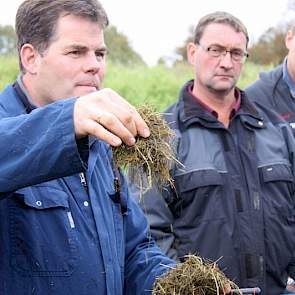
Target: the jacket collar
(23, 95)
(191, 111)
(287, 78)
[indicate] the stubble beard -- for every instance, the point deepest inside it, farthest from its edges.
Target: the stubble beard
(220, 91)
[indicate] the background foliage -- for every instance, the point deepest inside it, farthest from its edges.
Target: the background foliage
(128, 74)
(7, 40)
(158, 86)
(119, 48)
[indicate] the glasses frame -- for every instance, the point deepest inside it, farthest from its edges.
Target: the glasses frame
(223, 52)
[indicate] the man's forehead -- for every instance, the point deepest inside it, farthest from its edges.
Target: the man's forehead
(223, 34)
(78, 32)
(73, 25)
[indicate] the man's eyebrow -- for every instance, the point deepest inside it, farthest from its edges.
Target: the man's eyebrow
(76, 46)
(217, 44)
(221, 46)
(82, 47)
(102, 48)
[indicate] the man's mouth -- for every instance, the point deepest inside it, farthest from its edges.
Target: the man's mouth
(225, 76)
(88, 85)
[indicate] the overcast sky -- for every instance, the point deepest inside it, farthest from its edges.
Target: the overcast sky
(156, 27)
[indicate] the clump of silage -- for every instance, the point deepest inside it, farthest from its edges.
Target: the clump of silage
(149, 160)
(194, 276)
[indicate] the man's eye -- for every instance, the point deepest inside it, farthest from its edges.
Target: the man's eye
(237, 53)
(74, 52)
(100, 54)
(215, 49)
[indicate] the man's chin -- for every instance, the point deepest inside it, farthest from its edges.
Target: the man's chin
(84, 90)
(222, 89)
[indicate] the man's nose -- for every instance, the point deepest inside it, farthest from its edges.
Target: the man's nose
(226, 60)
(93, 63)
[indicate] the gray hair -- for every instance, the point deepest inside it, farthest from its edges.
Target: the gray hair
(219, 17)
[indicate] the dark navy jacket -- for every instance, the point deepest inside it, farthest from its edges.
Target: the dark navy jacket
(234, 199)
(57, 236)
(272, 90)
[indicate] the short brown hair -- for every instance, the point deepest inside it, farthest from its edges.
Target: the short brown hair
(219, 17)
(36, 20)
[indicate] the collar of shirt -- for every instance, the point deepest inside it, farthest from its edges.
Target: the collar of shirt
(23, 94)
(234, 107)
(287, 78)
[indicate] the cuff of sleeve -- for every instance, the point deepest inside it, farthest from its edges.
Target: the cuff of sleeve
(76, 150)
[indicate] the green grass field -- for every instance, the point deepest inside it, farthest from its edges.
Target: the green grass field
(8, 70)
(158, 86)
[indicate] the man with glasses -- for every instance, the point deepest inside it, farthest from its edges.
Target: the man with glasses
(232, 200)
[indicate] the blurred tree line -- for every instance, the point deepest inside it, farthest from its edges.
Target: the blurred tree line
(268, 49)
(7, 40)
(119, 48)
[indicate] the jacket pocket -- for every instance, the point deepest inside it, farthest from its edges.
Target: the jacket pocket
(277, 186)
(276, 172)
(42, 232)
(277, 182)
(199, 195)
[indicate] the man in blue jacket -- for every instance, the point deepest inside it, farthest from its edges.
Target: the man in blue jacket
(68, 225)
(276, 88)
(233, 200)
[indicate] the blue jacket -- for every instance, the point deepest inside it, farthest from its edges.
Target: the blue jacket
(234, 199)
(272, 90)
(57, 235)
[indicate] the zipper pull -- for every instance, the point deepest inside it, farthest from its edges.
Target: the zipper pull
(117, 185)
(83, 179)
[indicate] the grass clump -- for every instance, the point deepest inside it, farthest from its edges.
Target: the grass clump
(149, 160)
(194, 276)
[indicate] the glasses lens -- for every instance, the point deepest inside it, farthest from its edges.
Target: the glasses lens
(216, 51)
(237, 55)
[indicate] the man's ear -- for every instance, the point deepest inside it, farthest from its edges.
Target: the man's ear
(191, 50)
(29, 58)
(289, 38)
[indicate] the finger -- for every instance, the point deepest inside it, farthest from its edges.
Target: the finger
(227, 289)
(101, 133)
(97, 117)
(112, 102)
(140, 125)
(114, 125)
(127, 119)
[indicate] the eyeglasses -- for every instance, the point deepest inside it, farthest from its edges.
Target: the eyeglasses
(237, 55)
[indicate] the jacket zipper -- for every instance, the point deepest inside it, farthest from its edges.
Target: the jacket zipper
(83, 180)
